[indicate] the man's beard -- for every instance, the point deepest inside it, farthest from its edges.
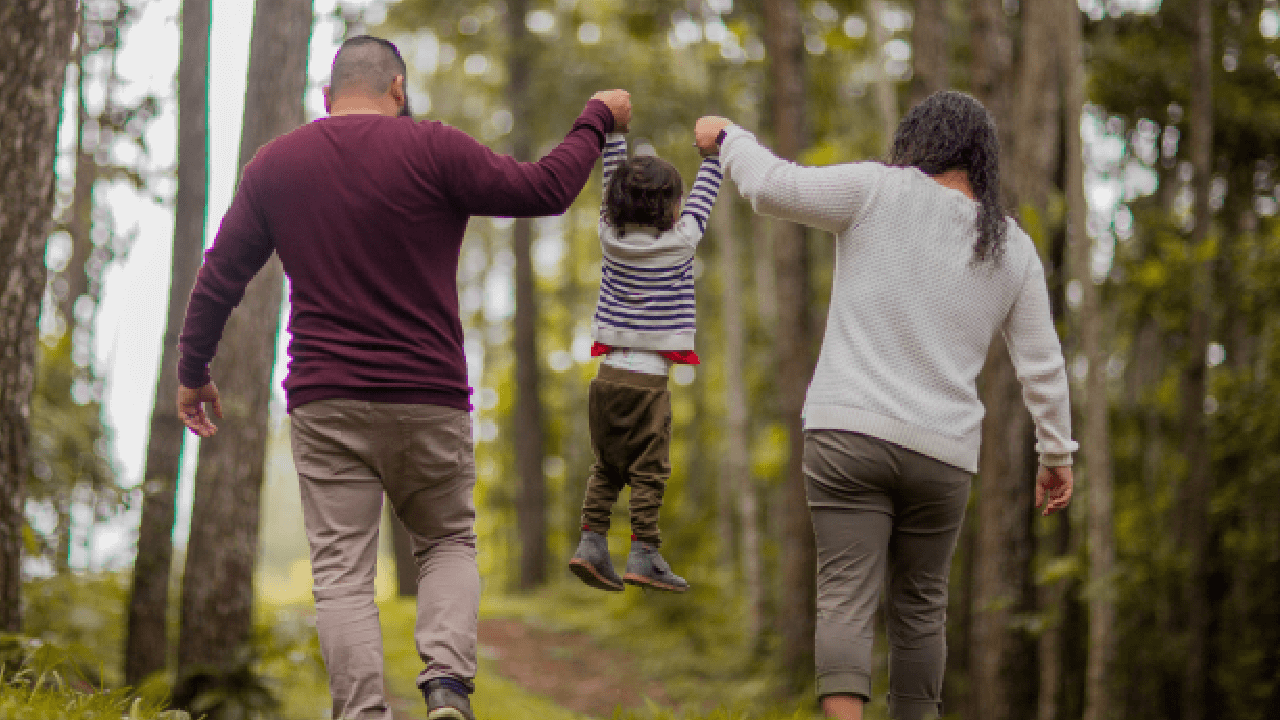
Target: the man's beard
(404, 109)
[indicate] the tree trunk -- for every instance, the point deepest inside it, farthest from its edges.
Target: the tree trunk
(1035, 109)
(80, 214)
(886, 93)
(217, 591)
(931, 50)
(735, 470)
(1001, 655)
(1198, 490)
(35, 47)
(531, 502)
(1095, 433)
(785, 53)
(146, 642)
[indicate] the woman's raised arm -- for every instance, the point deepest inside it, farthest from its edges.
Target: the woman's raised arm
(828, 198)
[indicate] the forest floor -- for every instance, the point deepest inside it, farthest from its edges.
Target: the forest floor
(567, 668)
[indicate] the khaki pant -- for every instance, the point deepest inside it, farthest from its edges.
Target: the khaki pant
(630, 418)
(348, 452)
(882, 514)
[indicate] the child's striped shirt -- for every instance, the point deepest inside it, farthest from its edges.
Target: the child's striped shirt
(646, 287)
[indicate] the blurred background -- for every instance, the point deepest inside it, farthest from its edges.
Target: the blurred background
(1140, 145)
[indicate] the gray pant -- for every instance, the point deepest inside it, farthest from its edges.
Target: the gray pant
(348, 452)
(882, 514)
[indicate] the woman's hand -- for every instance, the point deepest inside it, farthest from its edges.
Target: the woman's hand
(706, 131)
(1055, 484)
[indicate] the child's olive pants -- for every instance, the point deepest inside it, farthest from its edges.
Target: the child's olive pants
(630, 418)
(882, 514)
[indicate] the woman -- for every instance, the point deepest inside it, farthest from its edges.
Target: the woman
(927, 270)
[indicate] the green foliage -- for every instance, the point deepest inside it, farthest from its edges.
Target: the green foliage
(84, 616)
(42, 681)
(70, 456)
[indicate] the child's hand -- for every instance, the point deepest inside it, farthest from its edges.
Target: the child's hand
(619, 102)
(706, 131)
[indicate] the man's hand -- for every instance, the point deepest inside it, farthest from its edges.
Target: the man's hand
(1054, 484)
(619, 102)
(706, 131)
(191, 408)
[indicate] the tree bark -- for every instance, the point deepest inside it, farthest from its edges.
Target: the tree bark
(785, 53)
(735, 470)
(1095, 431)
(531, 503)
(80, 214)
(1000, 653)
(886, 93)
(931, 50)
(217, 591)
(1199, 485)
(146, 641)
(1035, 109)
(35, 47)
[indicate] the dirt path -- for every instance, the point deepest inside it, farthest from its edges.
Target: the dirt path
(570, 668)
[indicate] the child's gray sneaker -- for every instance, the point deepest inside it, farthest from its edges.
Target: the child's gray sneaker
(445, 702)
(647, 568)
(592, 564)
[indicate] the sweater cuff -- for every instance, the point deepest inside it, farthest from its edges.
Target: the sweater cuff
(598, 117)
(192, 373)
(1056, 459)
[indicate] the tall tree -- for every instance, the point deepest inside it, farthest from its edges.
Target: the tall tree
(531, 501)
(1196, 493)
(930, 50)
(1002, 583)
(217, 589)
(735, 467)
(885, 90)
(785, 67)
(34, 50)
(1095, 432)
(146, 640)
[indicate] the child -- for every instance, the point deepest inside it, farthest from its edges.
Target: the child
(644, 323)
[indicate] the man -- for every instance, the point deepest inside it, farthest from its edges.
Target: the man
(367, 210)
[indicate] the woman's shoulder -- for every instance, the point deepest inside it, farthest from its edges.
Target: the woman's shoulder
(1020, 249)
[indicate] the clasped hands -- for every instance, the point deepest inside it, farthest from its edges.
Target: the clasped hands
(705, 131)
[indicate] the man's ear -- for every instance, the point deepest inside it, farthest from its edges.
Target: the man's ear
(328, 104)
(397, 90)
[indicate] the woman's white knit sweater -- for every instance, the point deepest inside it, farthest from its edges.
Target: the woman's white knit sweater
(911, 318)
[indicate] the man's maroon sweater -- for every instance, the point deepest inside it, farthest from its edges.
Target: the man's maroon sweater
(368, 213)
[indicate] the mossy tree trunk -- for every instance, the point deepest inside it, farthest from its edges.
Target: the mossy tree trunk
(217, 588)
(35, 47)
(146, 640)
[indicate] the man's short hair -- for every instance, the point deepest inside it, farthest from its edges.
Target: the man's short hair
(365, 64)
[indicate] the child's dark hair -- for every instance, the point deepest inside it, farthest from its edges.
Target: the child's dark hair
(645, 190)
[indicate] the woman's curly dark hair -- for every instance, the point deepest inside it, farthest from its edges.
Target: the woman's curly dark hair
(645, 190)
(951, 129)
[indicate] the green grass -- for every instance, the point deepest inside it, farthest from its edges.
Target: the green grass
(39, 681)
(693, 644)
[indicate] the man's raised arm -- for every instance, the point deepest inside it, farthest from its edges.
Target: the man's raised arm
(483, 182)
